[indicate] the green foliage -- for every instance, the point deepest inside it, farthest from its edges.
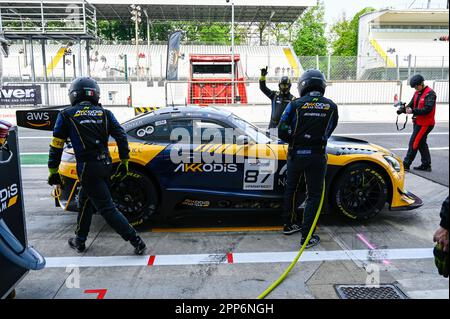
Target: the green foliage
(310, 37)
(218, 33)
(345, 35)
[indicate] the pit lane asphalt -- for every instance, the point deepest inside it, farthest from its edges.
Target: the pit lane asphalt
(49, 229)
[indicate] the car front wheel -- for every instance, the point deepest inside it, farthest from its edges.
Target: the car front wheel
(135, 197)
(360, 192)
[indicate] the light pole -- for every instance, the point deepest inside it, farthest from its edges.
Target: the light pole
(268, 38)
(136, 17)
(232, 52)
(149, 61)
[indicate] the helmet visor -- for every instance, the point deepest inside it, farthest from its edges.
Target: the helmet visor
(285, 86)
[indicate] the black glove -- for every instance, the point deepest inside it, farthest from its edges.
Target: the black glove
(264, 71)
(441, 260)
(54, 178)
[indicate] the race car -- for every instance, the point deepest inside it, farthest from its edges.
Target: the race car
(171, 175)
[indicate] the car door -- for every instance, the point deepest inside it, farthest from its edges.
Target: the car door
(205, 170)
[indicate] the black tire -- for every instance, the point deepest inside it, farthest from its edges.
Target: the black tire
(360, 192)
(135, 197)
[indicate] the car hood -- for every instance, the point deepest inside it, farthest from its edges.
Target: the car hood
(340, 145)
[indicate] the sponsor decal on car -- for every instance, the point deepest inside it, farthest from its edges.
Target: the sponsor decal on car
(259, 174)
(196, 203)
(8, 197)
(206, 168)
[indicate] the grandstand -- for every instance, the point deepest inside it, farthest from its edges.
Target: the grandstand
(107, 62)
(393, 44)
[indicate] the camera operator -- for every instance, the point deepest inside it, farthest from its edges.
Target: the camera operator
(423, 108)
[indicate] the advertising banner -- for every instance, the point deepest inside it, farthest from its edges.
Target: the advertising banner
(20, 95)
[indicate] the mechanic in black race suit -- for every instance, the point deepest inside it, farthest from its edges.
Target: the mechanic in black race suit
(89, 126)
(280, 99)
(423, 108)
(307, 124)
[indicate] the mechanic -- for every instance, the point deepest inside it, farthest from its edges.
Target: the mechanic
(89, 125)
(306, 124)
(440, 237)
(280, 99)
(423, 108)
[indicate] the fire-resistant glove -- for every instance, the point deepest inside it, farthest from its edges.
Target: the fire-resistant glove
(122, 170)
(264, 71)
(441, 260)
(54, 178)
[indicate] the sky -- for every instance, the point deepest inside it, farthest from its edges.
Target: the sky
(335, 8)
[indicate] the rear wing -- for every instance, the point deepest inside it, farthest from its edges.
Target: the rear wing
(43, 119)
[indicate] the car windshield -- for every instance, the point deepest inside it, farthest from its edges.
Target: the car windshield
(255, 133)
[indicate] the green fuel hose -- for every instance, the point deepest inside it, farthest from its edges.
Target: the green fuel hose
(292, 265)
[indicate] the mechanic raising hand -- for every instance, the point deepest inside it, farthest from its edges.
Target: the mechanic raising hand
(89, 126)
(280, 99)
(306, 124)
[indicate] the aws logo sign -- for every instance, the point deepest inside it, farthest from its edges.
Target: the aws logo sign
(8, 197)
(38, 119)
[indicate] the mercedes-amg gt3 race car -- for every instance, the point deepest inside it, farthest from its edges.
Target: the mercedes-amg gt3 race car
(247, 174)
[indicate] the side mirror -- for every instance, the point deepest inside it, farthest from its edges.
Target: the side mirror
(242, 140)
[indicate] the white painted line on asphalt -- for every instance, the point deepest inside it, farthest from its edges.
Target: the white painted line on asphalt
(239, 258)
(31, 153)
(431, 149)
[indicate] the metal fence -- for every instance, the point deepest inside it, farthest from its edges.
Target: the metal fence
(111, 66)
(375, 68)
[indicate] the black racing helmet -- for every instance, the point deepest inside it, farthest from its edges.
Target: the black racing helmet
(84, 89)
(285, 84)
(312, 80)
(416, 80)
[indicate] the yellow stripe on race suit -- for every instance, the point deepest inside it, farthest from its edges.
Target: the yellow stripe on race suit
(57, 143)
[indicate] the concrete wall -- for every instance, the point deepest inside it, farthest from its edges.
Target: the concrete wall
(261, 114)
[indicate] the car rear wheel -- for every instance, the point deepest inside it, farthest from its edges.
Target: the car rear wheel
(360, 192)
(135, 197)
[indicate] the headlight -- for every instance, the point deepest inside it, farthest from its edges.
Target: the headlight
(393, 162)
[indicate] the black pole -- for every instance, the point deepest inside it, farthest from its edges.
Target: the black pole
(64, 67)
(74, 67)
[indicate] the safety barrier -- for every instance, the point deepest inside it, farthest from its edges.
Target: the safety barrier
(342, 92)
(441, 88)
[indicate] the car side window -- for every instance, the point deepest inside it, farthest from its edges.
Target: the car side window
(207, 131)
(158, 131)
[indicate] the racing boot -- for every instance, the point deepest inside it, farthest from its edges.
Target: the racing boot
(423, 168)
(77, 244)
(291, 229)
(407, 167)
(139, 245)
(313, 241)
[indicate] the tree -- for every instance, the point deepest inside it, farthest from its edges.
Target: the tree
(345, 35)
(310, 38)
